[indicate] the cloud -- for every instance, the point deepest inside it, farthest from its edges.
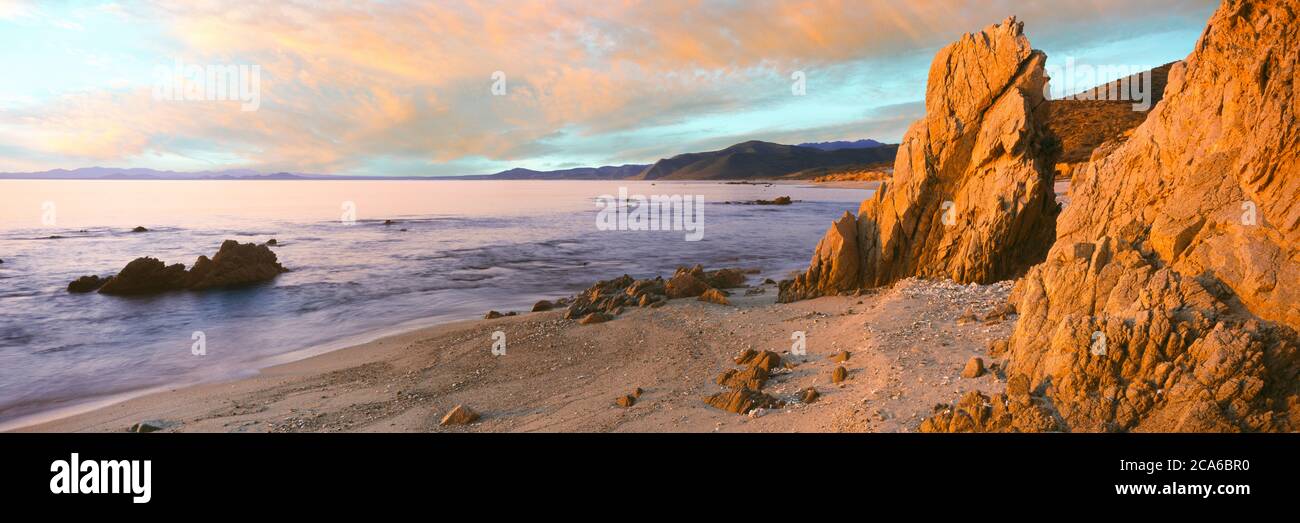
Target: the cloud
(344, 83)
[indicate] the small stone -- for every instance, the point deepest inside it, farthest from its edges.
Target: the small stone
(974, 368)
(636, 393)
(595, 317)
(460, 415)
(841, 356)
(839, 375)
(714, 296)
(809, 395)
(625, 401)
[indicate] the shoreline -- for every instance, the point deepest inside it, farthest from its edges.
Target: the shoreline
(560, 376)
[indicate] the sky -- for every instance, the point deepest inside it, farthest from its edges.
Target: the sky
(473, 87)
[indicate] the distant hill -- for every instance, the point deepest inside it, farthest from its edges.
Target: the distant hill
(743, 161)
(1083, 124)
(113, 173)
(762, 160)
(843, 144)
(609, 172)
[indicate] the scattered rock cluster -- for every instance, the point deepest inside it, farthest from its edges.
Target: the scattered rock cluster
(607, 299)
(234, 264)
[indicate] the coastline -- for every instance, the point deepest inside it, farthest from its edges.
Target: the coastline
(907, 343)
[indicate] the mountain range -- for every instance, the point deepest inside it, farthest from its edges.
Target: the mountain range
(744, 161)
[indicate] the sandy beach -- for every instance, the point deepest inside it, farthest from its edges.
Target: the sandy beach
(907, 347)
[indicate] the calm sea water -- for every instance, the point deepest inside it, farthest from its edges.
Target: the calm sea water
(467, 247)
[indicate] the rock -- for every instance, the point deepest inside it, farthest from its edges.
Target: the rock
(725, 278)
(971, 198)
(685, 285)
(235, 264)
(967, 317)
(139, 229)
(769, 281)
(766, 360)
(841, 356)
(839, 375)
(153, 425)
(741, 401)
(543, 306)
(999, 314)
(1168, 302)
(974, 368)
(146, 276)
(86, 284)
(809, 395)
(636, 393)
(460, 415)
(779, 200)
(492, 315)
(595, 317)
(272, 242)
(714, 296)
(390, 222)
(625, 401)
(752, 378)
(977, 412)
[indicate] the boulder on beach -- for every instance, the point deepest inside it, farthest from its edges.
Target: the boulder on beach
(543, 305)
(459, 415)
(595, 317)
(492, 315)
(766, 360)
(974, 368)
(752, 378)
(685, 285)
(839, 375)
(139, 229)
(971, 198)
(741, 401)
(714, 296)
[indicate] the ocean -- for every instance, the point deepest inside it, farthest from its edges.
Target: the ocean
(456, 249)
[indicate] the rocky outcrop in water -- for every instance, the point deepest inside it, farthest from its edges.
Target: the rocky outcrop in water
(971, 198)
(1169, 299)
(234, 264)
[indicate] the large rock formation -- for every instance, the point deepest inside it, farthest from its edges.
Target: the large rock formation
(234, 264)
(1169, 301)
(971, 197)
